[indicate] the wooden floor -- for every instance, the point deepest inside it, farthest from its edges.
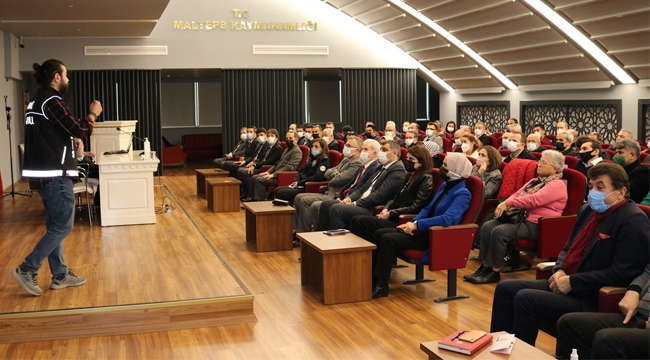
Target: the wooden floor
(292, 322)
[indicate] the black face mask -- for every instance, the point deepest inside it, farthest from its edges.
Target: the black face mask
(289, 144)
(585, 156)
(560, 146)
(367, 134)
(316, 136)
(444, 174)
(409, 166)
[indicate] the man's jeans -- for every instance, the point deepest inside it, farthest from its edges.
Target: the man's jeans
(58, 200)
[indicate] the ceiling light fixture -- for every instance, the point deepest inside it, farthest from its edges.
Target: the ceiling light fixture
(581, 40)
(455, 41)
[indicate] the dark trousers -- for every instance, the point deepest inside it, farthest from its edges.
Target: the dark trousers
(520, 306)
(365, 226)
(246, 178)
(232, 167)
(602, 336)
(287, 193)
(323, 222)
(495, 237)
(390, 240)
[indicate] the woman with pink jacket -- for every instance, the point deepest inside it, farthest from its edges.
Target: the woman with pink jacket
(545, 195)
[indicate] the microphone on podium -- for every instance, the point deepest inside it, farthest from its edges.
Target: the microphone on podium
(145, 140)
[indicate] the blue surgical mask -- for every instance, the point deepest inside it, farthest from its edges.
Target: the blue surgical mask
(249, 136)
(597, 201)
(315, 152)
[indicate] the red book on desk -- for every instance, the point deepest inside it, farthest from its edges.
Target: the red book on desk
(453, 343)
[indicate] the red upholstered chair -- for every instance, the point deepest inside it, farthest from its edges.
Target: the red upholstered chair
(305, 155)
(422, 133)
(381, 133)
(550, 137)
(571, 161)
(611, 153)
(642, 156)
(605, 145)
(493, 141)
(504, 152)
(472, 160)
(446, 145)
(284, 145)
(335, 158)
(548, 147)
(341, 144)
(553, 231)
(497, 134)
(458, 149)
(404, 152)
(286, 177)
(536, 154)
(435, 174)
(173, 155)
(443, 253)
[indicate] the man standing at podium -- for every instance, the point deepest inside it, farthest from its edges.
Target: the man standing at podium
(50, 165)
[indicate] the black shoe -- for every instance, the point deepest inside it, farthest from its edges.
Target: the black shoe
(247, 200)
(296, 243)
(480, 271)
(380, 292)
(489, 278)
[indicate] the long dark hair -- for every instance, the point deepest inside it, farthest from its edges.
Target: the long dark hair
(422, 154)
(44, 73)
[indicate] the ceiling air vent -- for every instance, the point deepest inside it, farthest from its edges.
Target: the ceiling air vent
(125, 50)
(290, 50)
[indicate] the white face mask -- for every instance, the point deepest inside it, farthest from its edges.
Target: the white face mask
(450, 129)
(504, 142)
(382, 157)
(327, 139)
(513, 146)
(242, 136)
(408, 142)
(347, 152)
(531, 146)
(478, 132)
(405, 128)
(309, 136)
(271, 140)
(465, 147)
(364, 157)
(261, 139)
(457, 142)
(538, 134)
(430, 132)
(388, 133)
(479, 161)
(300, 134)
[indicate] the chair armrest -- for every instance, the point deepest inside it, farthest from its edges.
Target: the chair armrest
(545, 266)
(612, 290)
(239, 158)
(404, 218)
(286, 177)
(315, 186)
(445, 254)
(265, 168)
(552, 234)
(609, 297)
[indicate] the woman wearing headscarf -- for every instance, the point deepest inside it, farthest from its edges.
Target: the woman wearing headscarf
(415, 194)
(447, 208)
(545, 195)
(433, 150)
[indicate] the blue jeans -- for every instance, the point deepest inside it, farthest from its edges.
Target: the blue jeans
(58, 201)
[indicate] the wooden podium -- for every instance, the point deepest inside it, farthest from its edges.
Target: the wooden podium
(107, 137)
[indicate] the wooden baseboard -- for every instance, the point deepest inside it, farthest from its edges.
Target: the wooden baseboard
(127, 319)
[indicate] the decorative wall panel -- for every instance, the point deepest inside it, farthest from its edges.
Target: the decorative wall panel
(494, 114)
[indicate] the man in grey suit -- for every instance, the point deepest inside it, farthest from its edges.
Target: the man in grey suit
(338, 177)
(289, 161)
(378, 190)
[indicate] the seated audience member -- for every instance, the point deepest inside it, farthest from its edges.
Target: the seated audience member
(238, 150)
(450, 127)
(545, 195)
(574, 132)
(564, 143)
(254, 149)
(470, 145)
(589, 156)
(487, 168)
(336, 136)
(405, 126)
(269, 155)
(594, 136)
(415, 127)
(517, 148)
(433, 150)
(511, 122)
(447, 208)
(85, 159)
(314, 170)
(332, 144)
(623, 134)
(383, 139)
(363, 199)
(516, 128)
(315, 132)
(539, 130)
(466, 129)
(627, 155)
(505, 139)
(433, 134)
(309, 135)
(389, 130)
(369, 168)
(289, 161)
(608, 246)
(561, 125)
(533, 144)
(371, 133)
(293, 127)
(481, 135)
(410, 139)
(413, 196)
(624, 335)
(338, 177)
(458, 142)
(439, 129)
(302, 132)
(579, 141)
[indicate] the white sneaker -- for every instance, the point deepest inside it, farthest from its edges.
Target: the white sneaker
(27, 280)
(69, 280)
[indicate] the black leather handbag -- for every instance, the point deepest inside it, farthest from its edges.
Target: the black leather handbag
(513, 216)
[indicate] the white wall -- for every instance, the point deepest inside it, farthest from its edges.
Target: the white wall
(351, 44)
(628, 94)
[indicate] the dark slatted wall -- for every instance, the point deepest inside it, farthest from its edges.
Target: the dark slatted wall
(263, 98)
(378, 95)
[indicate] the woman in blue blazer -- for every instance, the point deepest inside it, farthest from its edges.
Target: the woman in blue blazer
(447, 208)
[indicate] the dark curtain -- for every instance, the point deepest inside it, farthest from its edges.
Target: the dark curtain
(125, 95)
(378, 95)
(262, 98)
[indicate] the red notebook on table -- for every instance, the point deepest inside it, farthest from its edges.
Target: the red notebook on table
(453, 343)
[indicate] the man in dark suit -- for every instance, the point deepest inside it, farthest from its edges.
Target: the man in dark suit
(480, 133)
(330, 125)
(590, 152)
(253, 150)
(564, 143)
(608, 246)
(533, 144)
(381, 188)
(518, 149)
(332, 144)
(627, 155)
(238, 150)
(269, 155)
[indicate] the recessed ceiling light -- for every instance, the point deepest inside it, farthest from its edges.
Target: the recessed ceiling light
(71, 6)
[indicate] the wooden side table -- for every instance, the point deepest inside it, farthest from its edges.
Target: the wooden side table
(270, 226)
(339, 265)
(521, 351)
(202, 174)
(223, 194)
